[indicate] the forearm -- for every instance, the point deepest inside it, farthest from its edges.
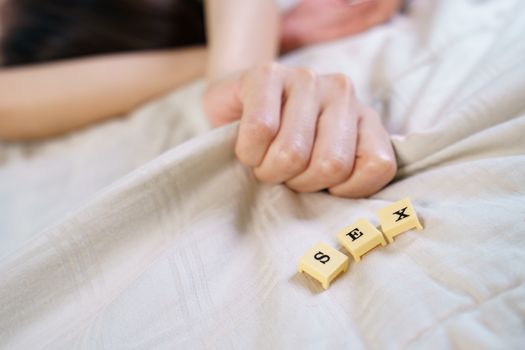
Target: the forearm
(241, 34)
(47, 99)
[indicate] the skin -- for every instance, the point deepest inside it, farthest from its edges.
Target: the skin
(305, 130)
(296, 127)
(32, 103)
(232, 47)
(315, 21)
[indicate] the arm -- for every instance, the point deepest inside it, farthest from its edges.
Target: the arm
(47, 99)
(241, 35)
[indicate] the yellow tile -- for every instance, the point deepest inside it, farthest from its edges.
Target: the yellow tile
(397, 218)
(360, 237)
(323, 263)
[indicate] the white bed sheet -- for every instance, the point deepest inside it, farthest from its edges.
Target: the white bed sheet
(107, 241)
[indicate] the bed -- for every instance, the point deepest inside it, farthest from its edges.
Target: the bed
(144, 232)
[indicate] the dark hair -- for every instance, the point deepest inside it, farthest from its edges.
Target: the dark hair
(45, 30)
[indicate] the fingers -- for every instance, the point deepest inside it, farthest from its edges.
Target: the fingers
(335, 145)
(375, 164)
(311, 133)
(289, 153)
(261, 94)
(222, 103)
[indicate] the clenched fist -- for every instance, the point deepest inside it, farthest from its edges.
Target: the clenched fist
(305, 130)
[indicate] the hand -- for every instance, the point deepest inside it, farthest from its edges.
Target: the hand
(305, 130)
(314, 21)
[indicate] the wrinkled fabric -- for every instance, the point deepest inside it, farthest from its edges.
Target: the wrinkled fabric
(124, 236)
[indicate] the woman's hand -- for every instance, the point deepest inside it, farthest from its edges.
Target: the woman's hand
(305, 130)
(314, 21)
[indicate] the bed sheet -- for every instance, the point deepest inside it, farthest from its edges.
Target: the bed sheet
(124, 236)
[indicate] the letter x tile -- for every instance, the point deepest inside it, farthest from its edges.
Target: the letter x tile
(397, 218)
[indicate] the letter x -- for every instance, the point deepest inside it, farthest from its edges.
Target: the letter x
(401, 214)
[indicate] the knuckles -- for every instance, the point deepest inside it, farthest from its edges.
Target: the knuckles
(273, 71)
(257, 130)
(326, 172)
(380, 168)
(335, 168)
(305, 76)
(270, 69)
(342, 83)
(291, 158)
(264, 129)
(383, 167)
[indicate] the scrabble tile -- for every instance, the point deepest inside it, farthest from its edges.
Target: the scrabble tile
(323, 263)
(397, 218)
(360, 237)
